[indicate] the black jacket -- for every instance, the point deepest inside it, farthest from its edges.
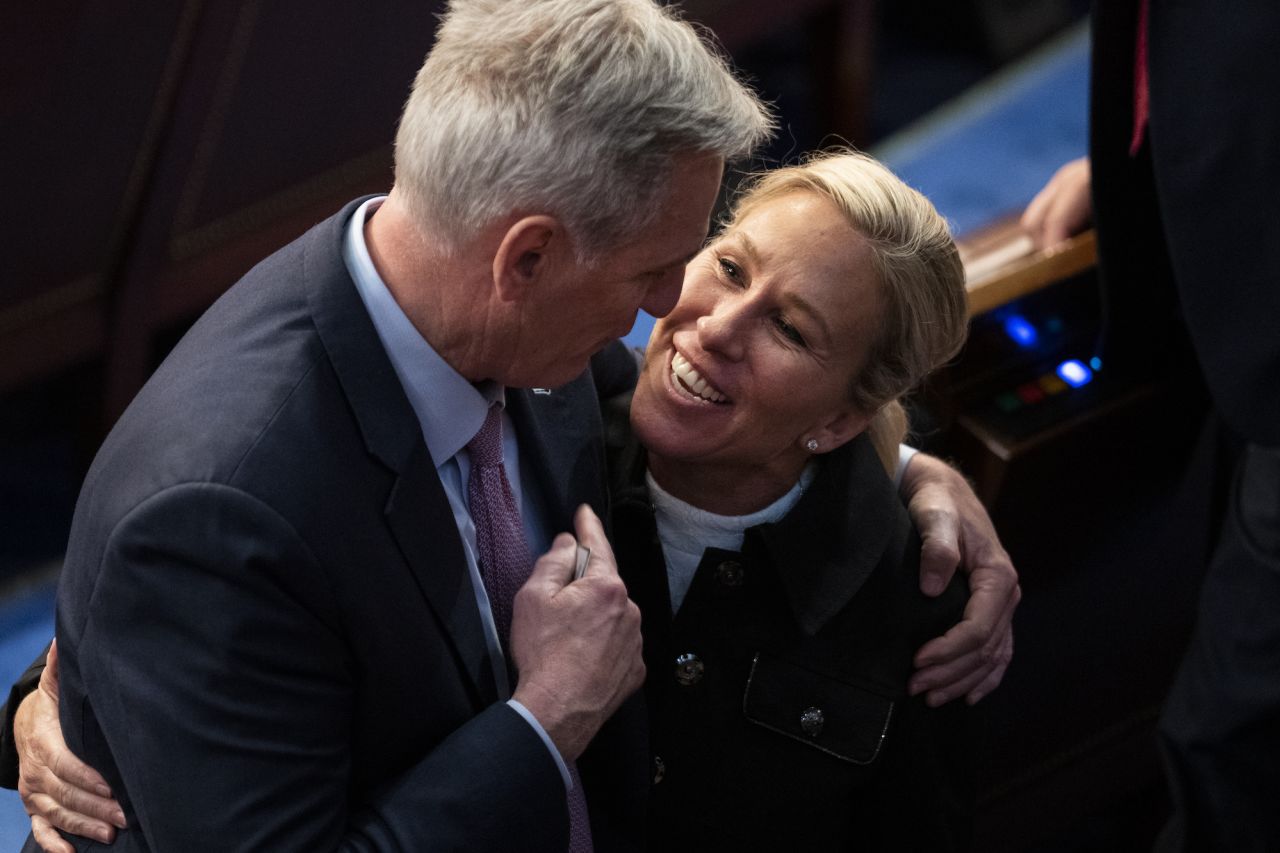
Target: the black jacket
(792, 729)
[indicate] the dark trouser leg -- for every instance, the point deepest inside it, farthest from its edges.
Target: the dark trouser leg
(1221, 723)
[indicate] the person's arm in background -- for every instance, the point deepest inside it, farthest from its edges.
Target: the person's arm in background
(1064, 207)
(970, 660)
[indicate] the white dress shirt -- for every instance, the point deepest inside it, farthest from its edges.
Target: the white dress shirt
(450, 410)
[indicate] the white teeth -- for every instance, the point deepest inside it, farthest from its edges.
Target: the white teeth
(683, 374)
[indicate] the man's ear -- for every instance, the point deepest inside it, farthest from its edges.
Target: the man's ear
(524, 254)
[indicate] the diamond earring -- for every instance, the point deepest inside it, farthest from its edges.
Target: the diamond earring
(812, 445)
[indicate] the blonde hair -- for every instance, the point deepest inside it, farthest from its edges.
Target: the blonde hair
(570, 107)
(924, 319)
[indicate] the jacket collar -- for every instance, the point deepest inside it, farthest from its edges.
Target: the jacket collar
(417, 509)
(833, 539)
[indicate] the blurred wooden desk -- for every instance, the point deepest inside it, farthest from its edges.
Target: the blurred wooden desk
(1002, 264)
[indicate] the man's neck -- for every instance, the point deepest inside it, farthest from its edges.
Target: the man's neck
(439, 291)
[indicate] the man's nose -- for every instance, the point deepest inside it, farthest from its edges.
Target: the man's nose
(664, 294)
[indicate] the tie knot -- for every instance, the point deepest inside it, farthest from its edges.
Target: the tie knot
(486, 447)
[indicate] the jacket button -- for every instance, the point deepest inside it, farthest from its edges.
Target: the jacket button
(811, 721)
(689, 670)
(659, 769)
(730, 573)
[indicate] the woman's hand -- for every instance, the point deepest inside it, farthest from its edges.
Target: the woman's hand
(58, 790)
(970, 659)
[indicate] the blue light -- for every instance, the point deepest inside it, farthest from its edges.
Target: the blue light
(1021, 331)
(1074, 373)
(1095, 363)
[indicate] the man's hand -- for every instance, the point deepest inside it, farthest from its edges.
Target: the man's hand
(575, 644)
(1063, 208)
(971, 658)
(58, 789)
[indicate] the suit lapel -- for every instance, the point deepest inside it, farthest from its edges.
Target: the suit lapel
(560, 436)
(417, 509)
(422, 522)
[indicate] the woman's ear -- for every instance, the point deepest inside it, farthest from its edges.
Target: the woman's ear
(838, 430)
(523, 255)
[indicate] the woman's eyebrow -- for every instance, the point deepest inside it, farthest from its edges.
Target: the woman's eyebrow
(744, 243)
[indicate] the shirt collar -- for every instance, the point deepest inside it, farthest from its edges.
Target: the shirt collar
(450, 409)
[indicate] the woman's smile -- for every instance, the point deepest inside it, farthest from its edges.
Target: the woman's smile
(689, 380)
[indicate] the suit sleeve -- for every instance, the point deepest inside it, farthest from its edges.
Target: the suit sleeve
(21, 689)
(215, 657)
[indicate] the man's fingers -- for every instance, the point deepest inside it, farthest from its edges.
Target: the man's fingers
(947, 657)
(591, 534)
(80, 801)
(48, 839)
(76, 774)
(939, 551)
(996, 674)
(555, 568)
(45, 807)
(954, 690)
(591, 531)
(1002, 631)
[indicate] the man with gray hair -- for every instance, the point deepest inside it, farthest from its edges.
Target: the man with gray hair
(288, 616)
(285, 618)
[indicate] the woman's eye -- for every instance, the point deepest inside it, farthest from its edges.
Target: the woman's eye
(789, 331)
(731, 270)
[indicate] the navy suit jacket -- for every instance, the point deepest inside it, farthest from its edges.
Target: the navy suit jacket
(268, 638)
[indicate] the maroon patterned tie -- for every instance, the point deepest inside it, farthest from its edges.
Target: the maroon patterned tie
(505, 564)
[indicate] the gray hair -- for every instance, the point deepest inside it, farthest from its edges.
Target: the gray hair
(569, 107)
(924, 319)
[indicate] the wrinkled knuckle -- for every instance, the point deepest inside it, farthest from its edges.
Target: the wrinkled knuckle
(931, 513)
(941, 549)
(76, 824)
(63, 793)
(614, 593)
(58, 816)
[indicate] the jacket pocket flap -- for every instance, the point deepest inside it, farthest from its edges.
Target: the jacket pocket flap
(841, 719)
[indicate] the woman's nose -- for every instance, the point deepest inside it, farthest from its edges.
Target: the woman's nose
(721, 332)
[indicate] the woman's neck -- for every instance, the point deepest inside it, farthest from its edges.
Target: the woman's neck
(726, 490)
